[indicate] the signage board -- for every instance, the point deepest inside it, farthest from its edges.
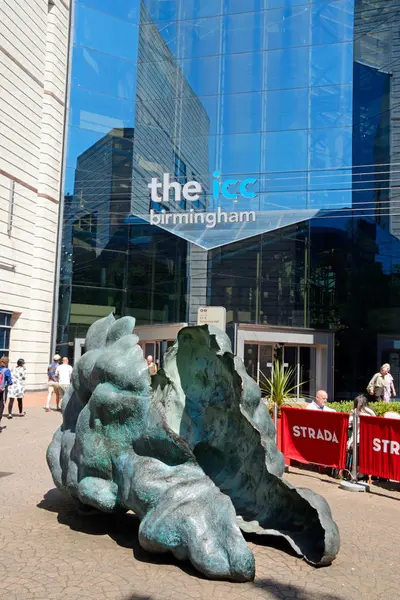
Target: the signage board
(212, 315)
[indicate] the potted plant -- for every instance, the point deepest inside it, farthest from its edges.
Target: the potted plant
(280, 389)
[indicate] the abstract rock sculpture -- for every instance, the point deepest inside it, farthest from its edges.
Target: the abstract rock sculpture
(191, 452)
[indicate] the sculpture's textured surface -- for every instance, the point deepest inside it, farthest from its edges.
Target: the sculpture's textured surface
(186, 452)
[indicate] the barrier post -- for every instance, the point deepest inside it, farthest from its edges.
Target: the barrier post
(276, 422)
(354, 485)
(354, 468)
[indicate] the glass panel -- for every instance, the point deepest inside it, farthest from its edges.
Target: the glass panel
(332, 22)
(242, 33)
(103, 73)
(159, 10)
(332, 106)
(5, 318)
(287, 27)
(199, 38)
(243, 72)
(288, 3)
(287, 109)
(332, 64)
(240, 6)
(4, 338)
(202, 74)
(100, 112)
(330, 148)
(90, 27)
(286, 151)
(123, 9)
(251, 360)
(105, 270)
(305, 376)
(241, 113)
(290, 358)
(239, 153)
(287, 68)
(266, 353)
(195, 9)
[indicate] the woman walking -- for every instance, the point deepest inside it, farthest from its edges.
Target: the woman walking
(17, 389)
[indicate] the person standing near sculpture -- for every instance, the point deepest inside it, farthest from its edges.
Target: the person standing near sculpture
(320, 402)
(63, 374)
(381, 385)
(53, 384)
(17, 389)
(5, 382)
(152, 366)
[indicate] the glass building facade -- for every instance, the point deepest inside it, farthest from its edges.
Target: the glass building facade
(282, 116)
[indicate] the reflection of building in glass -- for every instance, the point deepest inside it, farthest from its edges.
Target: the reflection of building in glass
(171, 125)
(303, 98)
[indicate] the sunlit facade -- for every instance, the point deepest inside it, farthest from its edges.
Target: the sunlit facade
(282, 117)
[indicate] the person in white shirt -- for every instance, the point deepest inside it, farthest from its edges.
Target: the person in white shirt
(63, 375)
(320, 402)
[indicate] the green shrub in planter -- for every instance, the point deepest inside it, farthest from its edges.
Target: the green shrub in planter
(379, 408)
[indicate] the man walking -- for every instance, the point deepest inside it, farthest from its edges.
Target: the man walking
(320, 402)
(53, 384)
(64, 373)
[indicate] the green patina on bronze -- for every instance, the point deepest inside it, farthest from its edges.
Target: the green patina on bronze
(191, 452)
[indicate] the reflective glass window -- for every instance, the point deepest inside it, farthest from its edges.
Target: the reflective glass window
(202, 74)
(100, 112)
(104, 73)
(285, 150)
(276, 201)
(159, 10)
(332, 21)
(287, 109)
(102, 32)
(241, 113)
(242, 33)
(284, 182)
(243, 72)
(332, 64)
(240, 6)
(287, 27)
(287, 68)
(199, 38)
(330, 148)
(285, 3)
(197, 9)
(129, 10)
(239, 153)
(332, 106)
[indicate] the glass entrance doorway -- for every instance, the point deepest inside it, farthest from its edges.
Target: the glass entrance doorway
(258, 359)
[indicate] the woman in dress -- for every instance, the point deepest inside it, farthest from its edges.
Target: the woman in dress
(17, 389)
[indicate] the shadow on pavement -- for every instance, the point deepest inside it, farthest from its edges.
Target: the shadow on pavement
(123, 528)
(284, 591)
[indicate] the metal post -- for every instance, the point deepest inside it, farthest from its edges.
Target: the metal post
(276, 422)
(354, 485)
(354, 468)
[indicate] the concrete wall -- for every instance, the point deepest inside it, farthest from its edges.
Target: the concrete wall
(33, 66)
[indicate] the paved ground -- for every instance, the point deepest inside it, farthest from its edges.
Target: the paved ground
(49, 552)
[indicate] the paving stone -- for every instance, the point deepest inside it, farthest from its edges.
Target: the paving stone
(55, 554)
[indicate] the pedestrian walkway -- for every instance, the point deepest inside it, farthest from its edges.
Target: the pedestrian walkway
(51, 552)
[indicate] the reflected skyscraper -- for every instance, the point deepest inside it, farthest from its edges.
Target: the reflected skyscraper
(297, 98)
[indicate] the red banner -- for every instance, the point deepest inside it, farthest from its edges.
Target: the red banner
(315, 436)
(380, 447)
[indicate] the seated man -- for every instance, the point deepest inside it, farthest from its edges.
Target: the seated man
(320, 402)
